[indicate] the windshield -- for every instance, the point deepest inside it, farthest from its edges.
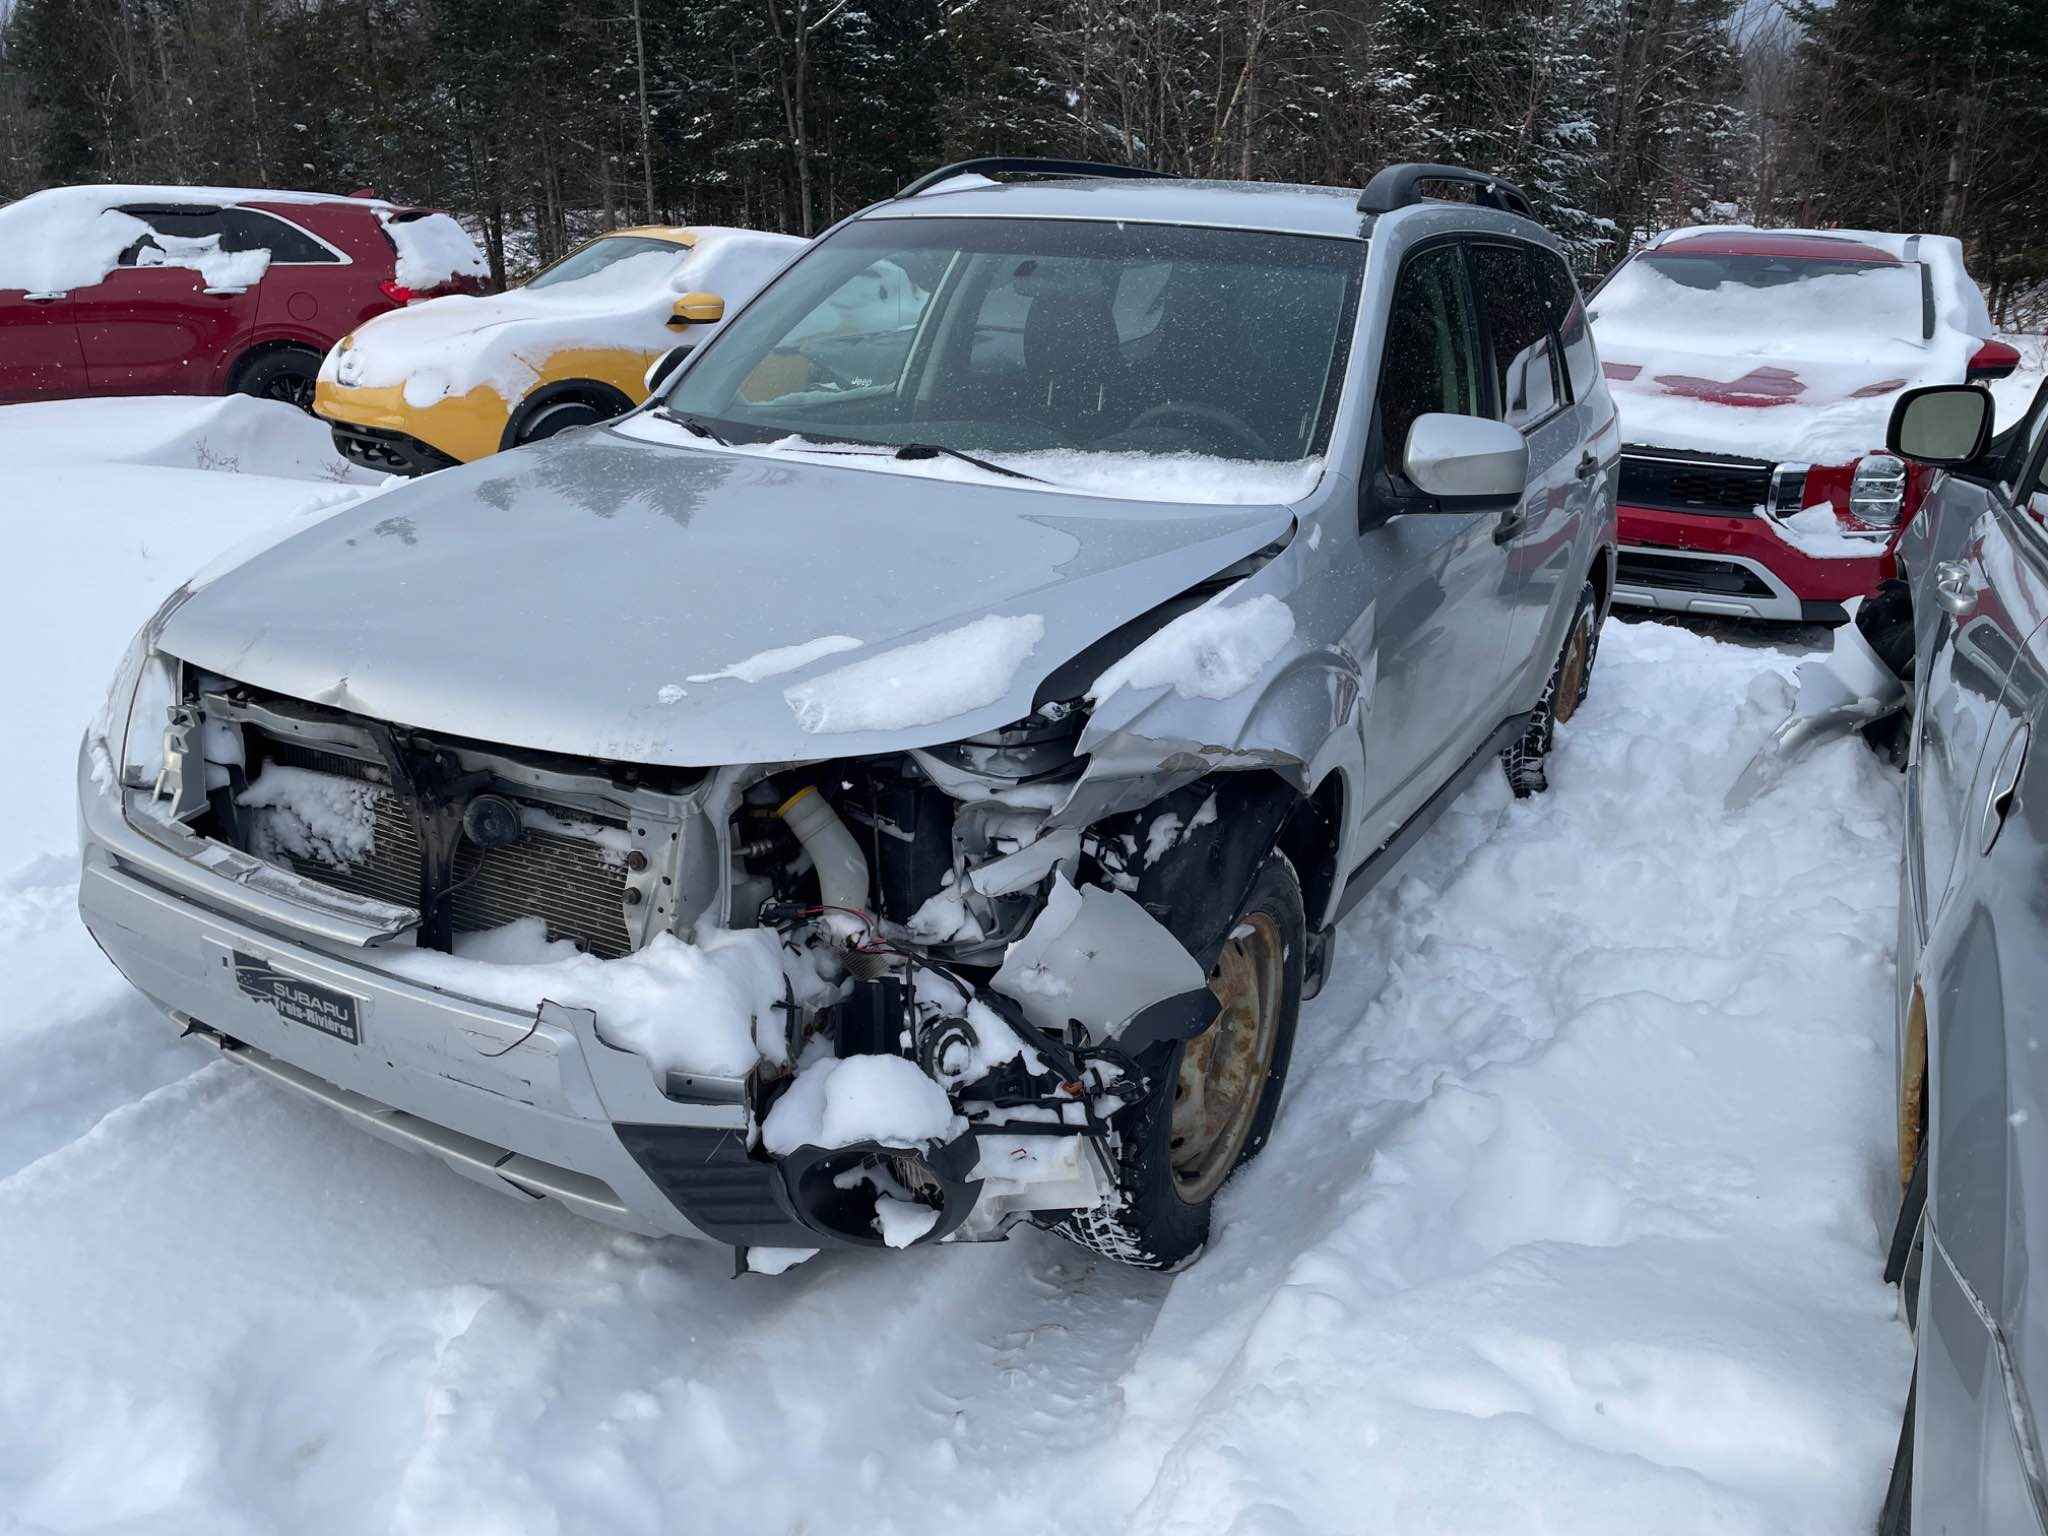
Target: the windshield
(1731, 303)
(597, 256)
(1017, 336)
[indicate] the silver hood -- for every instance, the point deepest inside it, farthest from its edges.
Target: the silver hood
(563, 597)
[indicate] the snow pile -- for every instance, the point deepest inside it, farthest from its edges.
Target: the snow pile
(1801, 371)
(221, 271)
(781, 659)
(226, 435)
(1817, 531)
(447, 347)
(54, 243)
(920, 684)
(1211, 652)
(710, 1007)
(433, 250)
(312, 815)
(837, 1101)
(1196, 478)
(1590, 1212)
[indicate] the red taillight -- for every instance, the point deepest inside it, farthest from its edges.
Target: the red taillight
(396, 291)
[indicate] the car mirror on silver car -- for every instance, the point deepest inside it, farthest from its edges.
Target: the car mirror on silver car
(1941, 424)
(1465, 459)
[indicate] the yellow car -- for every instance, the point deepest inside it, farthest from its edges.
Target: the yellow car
(456, 378)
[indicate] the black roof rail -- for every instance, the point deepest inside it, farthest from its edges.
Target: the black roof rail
(1396, 186)
(1026, 165)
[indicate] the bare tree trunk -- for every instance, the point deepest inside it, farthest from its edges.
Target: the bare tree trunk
(646, 129)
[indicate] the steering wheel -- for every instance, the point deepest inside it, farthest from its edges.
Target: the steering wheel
(1241, 432)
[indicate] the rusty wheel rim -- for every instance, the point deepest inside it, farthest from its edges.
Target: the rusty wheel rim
(1223, 1071)
(1571, 672)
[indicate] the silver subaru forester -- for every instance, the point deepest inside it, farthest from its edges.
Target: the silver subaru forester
(903, 780)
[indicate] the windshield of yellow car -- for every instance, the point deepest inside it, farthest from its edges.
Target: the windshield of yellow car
(588, 261)
(1008, 336)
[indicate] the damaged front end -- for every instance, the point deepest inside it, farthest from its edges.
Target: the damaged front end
(941, 991)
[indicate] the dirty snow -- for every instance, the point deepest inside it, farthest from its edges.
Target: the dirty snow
(837, 1101)
(1211, 652)
(784, 658)
(1571, 1221)
(922, 683)
(706, 1007)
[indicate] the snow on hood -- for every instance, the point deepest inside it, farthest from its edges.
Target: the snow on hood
(1804, 373)
(579, 597)
(446, 347)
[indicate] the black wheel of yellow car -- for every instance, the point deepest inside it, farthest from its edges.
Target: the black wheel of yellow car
(1211, 1100)
(560, 416)
(1526, 761)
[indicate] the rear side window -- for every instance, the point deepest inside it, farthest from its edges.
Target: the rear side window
(244, 229)
(1527, 380)
(1431, 361)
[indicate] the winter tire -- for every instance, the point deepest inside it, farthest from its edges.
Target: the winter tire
(560, 417)
(286, 376)
(1212, 1099)
(1571, 679)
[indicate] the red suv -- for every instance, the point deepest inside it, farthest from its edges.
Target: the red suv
(203, 291)
(1755, 372)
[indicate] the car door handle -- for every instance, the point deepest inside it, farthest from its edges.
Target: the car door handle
(1954, 587)
(45, 298)
(1588, 467)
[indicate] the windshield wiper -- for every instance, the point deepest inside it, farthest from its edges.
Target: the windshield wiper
(691, 424)
(934, 450)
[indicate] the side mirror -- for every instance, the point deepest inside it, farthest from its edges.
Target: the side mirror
(663, 368)
(1941, 424)
(1994, 360)
(697, 309)
(1466, 460)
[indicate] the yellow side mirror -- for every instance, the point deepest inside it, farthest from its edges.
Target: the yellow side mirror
(697, 309)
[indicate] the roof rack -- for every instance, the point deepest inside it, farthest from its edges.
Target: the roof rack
(1026, 165)
(1396, 186)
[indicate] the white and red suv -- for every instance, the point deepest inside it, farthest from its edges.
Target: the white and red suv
(1755, 371)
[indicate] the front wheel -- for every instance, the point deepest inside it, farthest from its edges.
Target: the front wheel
(285, 376)
(560, 417)
(1211, 1100)
(1526, 762)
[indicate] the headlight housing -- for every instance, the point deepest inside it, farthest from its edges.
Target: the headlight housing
(1877, 492)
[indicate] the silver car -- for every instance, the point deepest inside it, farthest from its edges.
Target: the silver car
(1972, 1243)
(879, 794)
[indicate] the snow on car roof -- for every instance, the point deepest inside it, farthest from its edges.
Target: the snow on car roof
(1797, 245)
(114, 195)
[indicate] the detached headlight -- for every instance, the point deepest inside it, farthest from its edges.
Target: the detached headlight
(1877, 494)
(128, 739)
(150, 704)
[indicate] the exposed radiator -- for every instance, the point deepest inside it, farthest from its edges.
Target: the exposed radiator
(572, 884)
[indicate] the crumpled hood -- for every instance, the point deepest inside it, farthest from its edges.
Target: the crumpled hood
(577, 597)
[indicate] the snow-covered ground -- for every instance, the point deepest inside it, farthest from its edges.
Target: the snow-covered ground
(1571, 1222)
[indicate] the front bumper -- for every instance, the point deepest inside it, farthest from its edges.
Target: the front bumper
(531, 1106)
(454, 430)
(1692, 562)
